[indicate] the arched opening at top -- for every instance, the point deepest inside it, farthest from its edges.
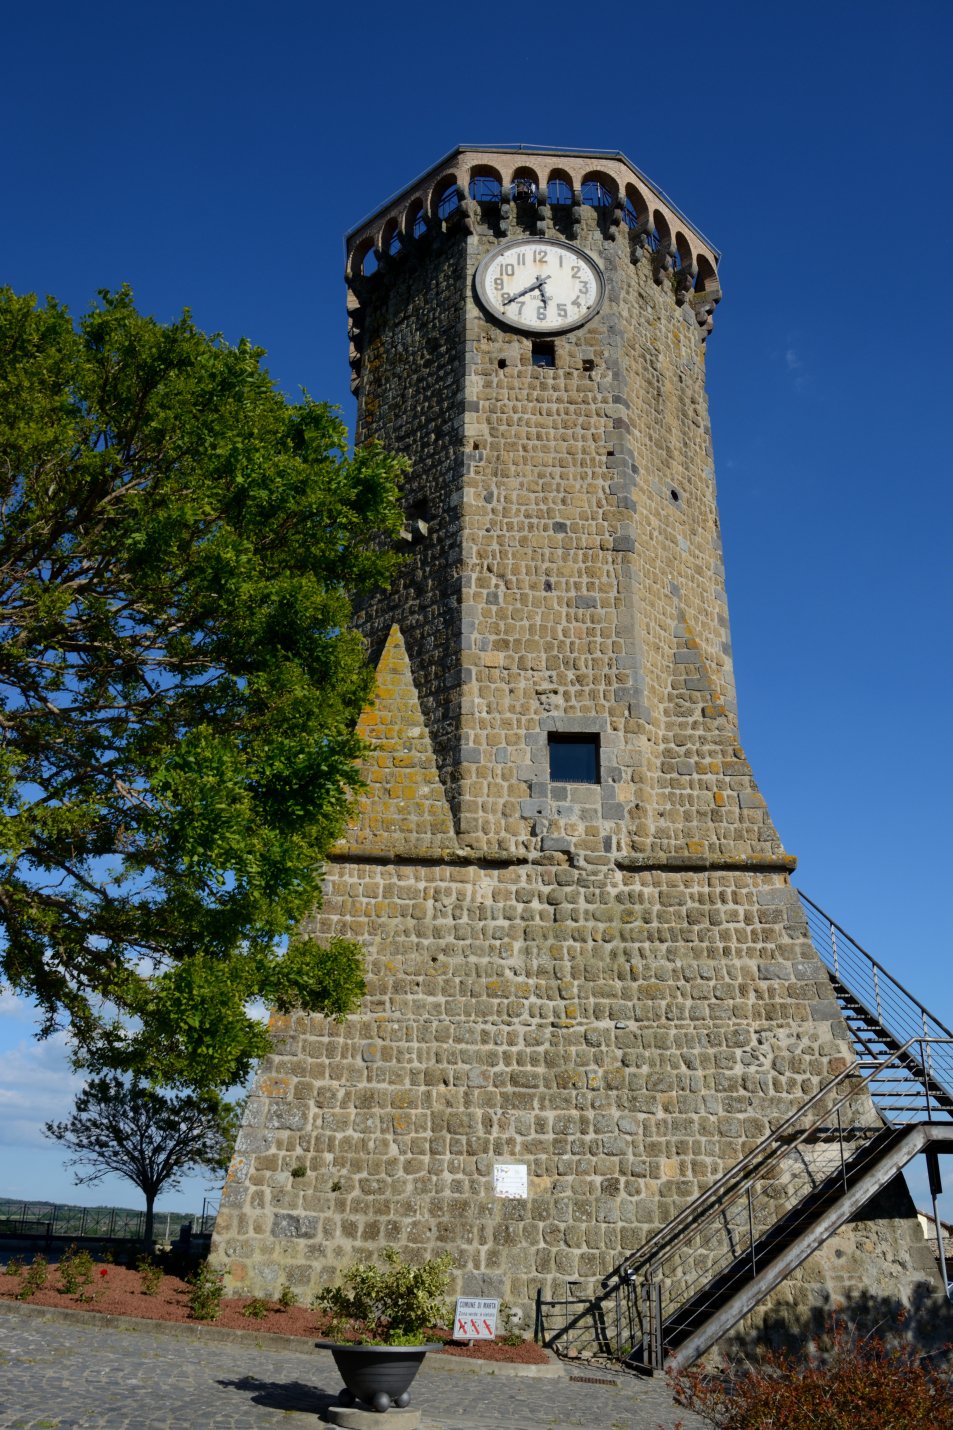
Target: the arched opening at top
(635, 211)
(706, 279)
(524, 188)
(559, 188)
(415, 219)
(598, 191)
(391, 241)
(486, 186)
(660, 239)
(446, 197)
(364, 258)
(683, 254)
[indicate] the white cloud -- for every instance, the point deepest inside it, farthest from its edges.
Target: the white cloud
(37, 1085)
(13, 1006)
(791, 360)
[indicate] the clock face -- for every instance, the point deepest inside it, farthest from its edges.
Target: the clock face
(540, 285)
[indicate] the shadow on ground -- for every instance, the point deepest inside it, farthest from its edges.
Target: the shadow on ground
(925, 1323)
(283, 1395)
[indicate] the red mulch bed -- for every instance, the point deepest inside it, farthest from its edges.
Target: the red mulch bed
(119, 1293)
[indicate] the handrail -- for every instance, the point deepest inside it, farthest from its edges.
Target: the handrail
(870, 959)
(757, 1207)
(694, 1214)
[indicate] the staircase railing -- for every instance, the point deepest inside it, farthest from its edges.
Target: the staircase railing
(794, 1180)
(865, 987)
(746, 1217)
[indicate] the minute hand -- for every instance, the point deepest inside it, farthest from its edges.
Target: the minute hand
(523, 291)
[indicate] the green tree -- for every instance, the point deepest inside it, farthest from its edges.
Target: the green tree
(150, 1139)
(179, 684)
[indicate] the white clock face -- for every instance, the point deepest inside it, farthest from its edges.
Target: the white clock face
(540, 285)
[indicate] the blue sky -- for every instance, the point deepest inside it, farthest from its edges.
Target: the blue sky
(213, 156)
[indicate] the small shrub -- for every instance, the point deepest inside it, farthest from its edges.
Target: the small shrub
(256, 1308)
(509, 1325)
(392, 1306)
(287, 1298)
(34, 1278)
(298, 1171)
(150, 1275)
(205, 1294)
(76, 1271)
(859, 1385)
(14, 1266)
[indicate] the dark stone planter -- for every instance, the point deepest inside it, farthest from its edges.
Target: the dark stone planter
(378, 1376)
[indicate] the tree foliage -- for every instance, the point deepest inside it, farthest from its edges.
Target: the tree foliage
(150, 1139)
(178, 683)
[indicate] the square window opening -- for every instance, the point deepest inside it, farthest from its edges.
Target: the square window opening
(544, 353)
(573, 759)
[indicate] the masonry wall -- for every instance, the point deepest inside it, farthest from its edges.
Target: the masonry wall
(611, 984)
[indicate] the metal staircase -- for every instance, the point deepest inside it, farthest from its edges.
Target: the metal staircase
(670, 1301)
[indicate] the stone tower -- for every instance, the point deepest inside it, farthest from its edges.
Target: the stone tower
(591, 987)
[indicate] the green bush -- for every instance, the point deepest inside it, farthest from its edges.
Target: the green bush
(75, 1270)
(150, 1275)
(205, 1294)
(287, 1298)
(859, 1384)
(14, 1266)
(256, 1308)
(34, 1277)
(391, 1306)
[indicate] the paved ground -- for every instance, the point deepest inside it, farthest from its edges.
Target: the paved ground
(121, 1377)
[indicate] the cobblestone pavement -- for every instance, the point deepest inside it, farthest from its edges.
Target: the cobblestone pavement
(121, 1377)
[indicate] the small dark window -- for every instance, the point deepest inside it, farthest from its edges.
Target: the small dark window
(544, 354)
(574, 759)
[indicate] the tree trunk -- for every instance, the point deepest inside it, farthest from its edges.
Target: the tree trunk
(150, 1218)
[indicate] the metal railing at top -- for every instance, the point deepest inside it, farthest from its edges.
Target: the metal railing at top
(881, 995)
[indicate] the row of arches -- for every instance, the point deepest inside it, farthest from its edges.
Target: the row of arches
(486, 187)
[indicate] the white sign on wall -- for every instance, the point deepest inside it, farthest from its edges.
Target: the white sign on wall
(509, 1179)
(475, 1320)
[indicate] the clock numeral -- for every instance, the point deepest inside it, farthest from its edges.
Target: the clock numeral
(509, 269)
(562, 311)
(576, 270)
(519, 309)
(498, 284)
(540, 314)
(505, 297)
(540, 255)
(521, 258)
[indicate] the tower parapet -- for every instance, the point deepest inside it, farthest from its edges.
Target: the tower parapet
(500, 190)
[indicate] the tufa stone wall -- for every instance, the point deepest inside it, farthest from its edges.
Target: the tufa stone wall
(609, 984)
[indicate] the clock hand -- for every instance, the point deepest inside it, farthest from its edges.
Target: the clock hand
(523, 291)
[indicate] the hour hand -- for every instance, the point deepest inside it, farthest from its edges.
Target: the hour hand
(523, 292)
